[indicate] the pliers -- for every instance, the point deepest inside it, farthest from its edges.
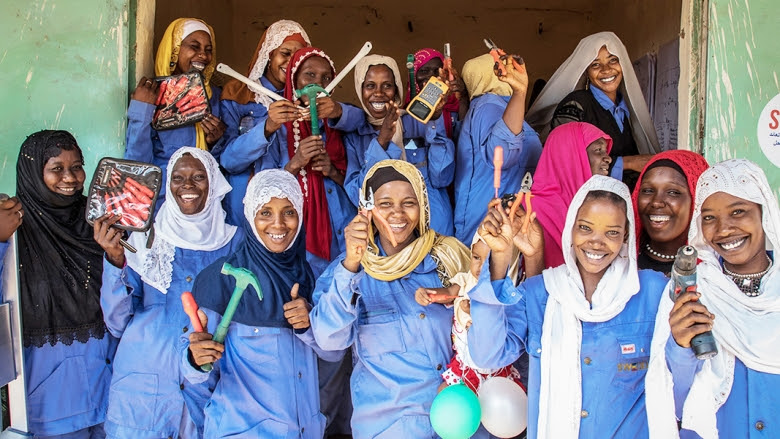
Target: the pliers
(497, 53)
(523, 194)
(367, 205)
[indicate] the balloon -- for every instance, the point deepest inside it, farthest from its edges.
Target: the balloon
(455, 412)
(504, 407)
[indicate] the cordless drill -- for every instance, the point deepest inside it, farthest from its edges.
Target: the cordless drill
(684, 279)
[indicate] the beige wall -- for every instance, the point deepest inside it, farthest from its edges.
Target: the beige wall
(404, 26)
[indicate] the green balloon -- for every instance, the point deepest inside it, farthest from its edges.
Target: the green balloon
(455, 412)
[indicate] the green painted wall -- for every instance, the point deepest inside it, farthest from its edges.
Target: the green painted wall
(64, 66)
(742, 77)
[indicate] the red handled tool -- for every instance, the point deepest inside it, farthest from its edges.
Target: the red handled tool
(498, 163)
(497, 53)
(523, 194)
(191, 309)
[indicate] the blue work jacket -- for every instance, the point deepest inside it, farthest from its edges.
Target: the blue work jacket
(482, 130)
(148, 394)
(507, 321)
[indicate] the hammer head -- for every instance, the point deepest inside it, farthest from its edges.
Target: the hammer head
(311, 91)
(243, 277)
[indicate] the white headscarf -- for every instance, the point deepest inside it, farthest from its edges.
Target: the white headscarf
(274, 37)
(361, 69)
(191, 26)
(272, 183)
(571, 75)
(745, 328)
(205, 230)
(560, 395)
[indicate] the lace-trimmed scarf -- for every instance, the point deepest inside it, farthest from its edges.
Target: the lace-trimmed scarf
(205, 230)
(272, 38)
(60, 264)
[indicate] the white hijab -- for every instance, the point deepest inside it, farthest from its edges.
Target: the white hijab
(272, 183)
(205, 230)
(560, 395)
(747, 328)
(571, 75)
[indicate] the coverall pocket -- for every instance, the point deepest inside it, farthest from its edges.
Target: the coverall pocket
(408, 427)
(132, 401)
(379, 332)
(45, 403)
(262, 343)
(633, 355)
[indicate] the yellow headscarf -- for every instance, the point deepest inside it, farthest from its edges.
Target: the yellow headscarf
(479, 77)
(168, 56)
(449, 253)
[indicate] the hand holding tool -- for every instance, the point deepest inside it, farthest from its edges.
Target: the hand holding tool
(312, 90)
(448, 62)
(684, 279)
(367, 205)
(523, 194)
(244, 278)
(497, 53)
(498, 163)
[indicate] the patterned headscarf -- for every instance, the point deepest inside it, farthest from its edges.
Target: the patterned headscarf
(421, 57)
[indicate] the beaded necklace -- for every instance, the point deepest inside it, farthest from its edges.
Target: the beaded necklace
(748, 283)
(657, 254)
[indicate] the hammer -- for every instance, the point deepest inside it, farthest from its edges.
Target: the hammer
(311, 91)
(244, 278)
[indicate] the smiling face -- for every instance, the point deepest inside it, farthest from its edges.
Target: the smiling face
(276, 72)
(424, 73)
(277, 224)
(598, 235)
(378, 90)
(598, 157)
(315, 70)
(732, 226)
(605, 73)
(397, 203)
(189, 185)
(195, 52)
(664, 206)
(64, 174)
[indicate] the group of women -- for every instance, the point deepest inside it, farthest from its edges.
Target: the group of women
(349, 235)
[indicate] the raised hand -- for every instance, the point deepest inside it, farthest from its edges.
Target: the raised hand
(517, 78)
(309, 148)
(356, 241)
(387, 130)
(145, 91)
(213, 128)
(279, 113)
(11, 213)
(689, 318)
(108, 237)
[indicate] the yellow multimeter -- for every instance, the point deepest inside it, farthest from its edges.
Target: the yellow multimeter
(424, 104)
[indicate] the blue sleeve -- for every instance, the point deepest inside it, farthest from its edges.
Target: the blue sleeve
(122, 288)
(351, 119)
(3, 248)
(499, 326)
(683, 365)
(334, 314)
(241, 151)
(139, 132)
(617, 169)
(441, 149)
(491, 131)
(308, 338)
(191, 373)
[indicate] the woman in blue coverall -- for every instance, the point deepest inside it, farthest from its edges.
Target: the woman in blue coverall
(365, 300)
(734, 394)
(586, 325)
(141, 300)
(187, 45)
(266, 370)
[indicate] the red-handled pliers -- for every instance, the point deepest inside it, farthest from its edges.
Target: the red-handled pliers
(523, 194)
(497, 53)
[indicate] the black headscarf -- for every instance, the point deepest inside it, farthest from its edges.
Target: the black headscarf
(60, 264)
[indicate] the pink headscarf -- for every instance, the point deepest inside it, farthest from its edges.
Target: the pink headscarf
(563, 168)
(421, 57)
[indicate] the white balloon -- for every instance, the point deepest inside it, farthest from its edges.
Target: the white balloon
(504, 407)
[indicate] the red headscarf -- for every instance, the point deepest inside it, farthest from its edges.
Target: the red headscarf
(421, 57)
(316, 217)
(563, 168)
(692, 165)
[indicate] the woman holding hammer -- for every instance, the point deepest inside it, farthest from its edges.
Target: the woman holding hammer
(141, 300)
(266, 370)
